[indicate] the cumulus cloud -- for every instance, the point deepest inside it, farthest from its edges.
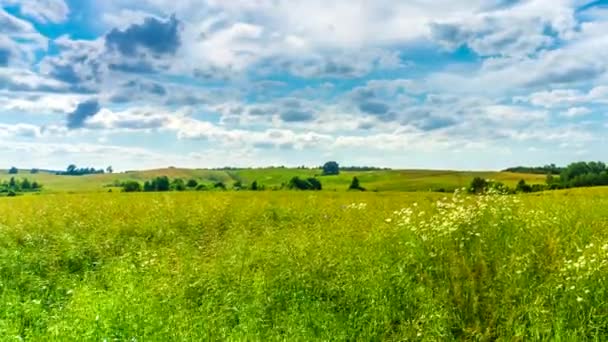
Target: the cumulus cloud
(153, 35)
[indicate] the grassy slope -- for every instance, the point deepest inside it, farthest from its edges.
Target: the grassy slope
(394, 180)
(277, 266)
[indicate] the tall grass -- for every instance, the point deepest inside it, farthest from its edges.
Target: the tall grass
(298, 266)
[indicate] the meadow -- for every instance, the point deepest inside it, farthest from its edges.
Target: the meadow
(304, 266)
(273, 178)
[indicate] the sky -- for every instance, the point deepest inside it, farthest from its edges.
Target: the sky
(442, 84)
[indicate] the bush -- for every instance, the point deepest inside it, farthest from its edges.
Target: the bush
(478, 185)
(296, 183)
(131, 186)
(354, 185)
(192, 183)
(13, 171)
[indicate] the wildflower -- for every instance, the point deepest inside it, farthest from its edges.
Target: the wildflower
(579, 299)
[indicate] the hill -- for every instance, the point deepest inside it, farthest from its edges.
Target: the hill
(274, 178)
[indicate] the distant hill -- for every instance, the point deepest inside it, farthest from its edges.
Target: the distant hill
(275, 177)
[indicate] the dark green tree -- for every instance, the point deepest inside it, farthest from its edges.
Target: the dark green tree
(192, 183)
(478, 185)
(131, 186)
(331, 168)
(355, 185)
(13, 171)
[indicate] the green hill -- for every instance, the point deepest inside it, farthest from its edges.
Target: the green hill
(274, 178)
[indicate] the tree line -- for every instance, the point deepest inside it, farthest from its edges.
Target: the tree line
(14, 186)
(575, 175)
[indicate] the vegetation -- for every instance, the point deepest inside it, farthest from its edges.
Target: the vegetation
(355, 185)
(13, 171)
(291, 266)
(73, 170)
(550, 169)
(296, 183)
(278, 178)
(15, 186)
(331, 168)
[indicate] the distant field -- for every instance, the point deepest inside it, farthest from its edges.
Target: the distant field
(393, 180)
(303, 266)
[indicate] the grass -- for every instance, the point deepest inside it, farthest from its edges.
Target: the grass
(393, 180)
(304, 266)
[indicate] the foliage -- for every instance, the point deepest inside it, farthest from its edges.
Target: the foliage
(550, 169)
(14, 186)
(331, 168)
(178, 185)
(192, 183)
(219, 185)
(131, 186)
(354, 185)
(73, 170)
(289, 266)
(158, 184)
(296, 183)
(13, 171)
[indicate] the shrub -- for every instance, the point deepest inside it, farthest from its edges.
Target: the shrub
(354, 185)
(192, 183)
(131, 186)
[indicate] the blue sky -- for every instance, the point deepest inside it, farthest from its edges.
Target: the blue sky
(476, 84)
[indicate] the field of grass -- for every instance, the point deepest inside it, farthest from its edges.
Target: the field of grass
(393, 180)
(276, 266)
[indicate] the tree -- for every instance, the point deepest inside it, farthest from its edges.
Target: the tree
(523, 187)
(254, 186)
(26, 185)
(162, 183)
(478, 185)
(109, 169)
(178, 184)
(71, 169)
(12, 183)
(331, 168)
(219, 185)
(131, 186)
(13, 171)
(354, 185)
(238, 185)
(192, 183)
(34, 171)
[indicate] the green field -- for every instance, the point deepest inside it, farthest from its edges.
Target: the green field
(393, 180)
(275, 266)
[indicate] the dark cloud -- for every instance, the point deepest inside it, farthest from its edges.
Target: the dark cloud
(296, 115)
(84, 111)
(157, 36)
(374, 108)
(5, 55)
(65, 73)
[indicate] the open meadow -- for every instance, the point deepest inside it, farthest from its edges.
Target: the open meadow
(274, 178)
(305, 266)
